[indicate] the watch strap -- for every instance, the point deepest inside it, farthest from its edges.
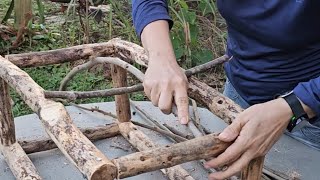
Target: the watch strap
(297, 110)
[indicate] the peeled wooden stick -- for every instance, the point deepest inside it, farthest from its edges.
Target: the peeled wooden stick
(162, 157)
(58, 124)
(93, 134)
(20, 164)
(119, 79)
(142, 142)
(58, 56)
(95, 61)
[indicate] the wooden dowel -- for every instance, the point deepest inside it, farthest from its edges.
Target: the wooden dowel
(20, 164)
(93, 134)
(119, 79)
(142, 142)
(253, 170)
(163, 157)
(58, 124)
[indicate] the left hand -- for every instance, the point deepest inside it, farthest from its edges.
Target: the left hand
(254, 132)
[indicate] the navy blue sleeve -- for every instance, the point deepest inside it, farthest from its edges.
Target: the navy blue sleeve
(309, 94)
(147, 11)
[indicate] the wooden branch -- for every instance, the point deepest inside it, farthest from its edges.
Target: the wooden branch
(7, 128)
(20, 164)
(58, 56)
(94, 134)
(161, 131)
(73, 95)
(163, 157)
(100, 60)
(119, 79)
(142, 142)
(253, 170)
(58, 124)
(177, 132)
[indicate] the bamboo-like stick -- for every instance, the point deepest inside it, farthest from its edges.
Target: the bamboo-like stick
(58, 124)
(93, 134)
(163, 157)
(142, 142)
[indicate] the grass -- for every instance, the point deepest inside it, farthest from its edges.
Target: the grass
(198, 35)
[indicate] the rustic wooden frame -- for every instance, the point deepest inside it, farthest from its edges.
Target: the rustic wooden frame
(83, 154)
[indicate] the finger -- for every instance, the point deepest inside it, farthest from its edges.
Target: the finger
(165, 102)
(229, 155)
(234, 168)
(181, 100)
(154, 95)
(231, 132)
(147, 90)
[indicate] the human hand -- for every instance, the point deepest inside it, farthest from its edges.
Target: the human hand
(254, 132)
(164, 81)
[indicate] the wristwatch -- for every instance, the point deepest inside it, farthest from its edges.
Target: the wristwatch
(297, 110)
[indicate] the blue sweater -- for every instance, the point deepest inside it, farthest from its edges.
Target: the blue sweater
(275, 45)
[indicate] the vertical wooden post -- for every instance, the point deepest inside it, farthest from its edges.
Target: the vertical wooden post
(22, 8)
(119, 79)
(7, 129)
(19, 163)
(253, 171)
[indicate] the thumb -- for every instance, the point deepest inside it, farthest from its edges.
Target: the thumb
(182, 102)
(231, 132)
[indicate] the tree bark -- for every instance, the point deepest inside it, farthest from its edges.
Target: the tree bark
(58, 124)
(143, 143)
(19, 163)
(93, 134)
(119, 79)
(7, 128)
(163, 157)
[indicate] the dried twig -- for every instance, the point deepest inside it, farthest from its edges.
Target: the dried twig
(73, 95)
(178, 138)
(196, 119)
(175, 131)
(100, 60)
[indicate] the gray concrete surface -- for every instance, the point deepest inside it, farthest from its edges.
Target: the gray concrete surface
(287, 156)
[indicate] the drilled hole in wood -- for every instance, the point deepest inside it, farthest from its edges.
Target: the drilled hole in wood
(220, 102)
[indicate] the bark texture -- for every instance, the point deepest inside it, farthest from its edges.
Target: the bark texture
(93, 134)
(163, 157)
(19, 163)
(143, 143)
(58, 124)
(119, 79)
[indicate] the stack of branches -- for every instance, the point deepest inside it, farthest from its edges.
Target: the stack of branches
(128, 52)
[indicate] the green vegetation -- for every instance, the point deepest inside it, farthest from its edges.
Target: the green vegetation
(198, 36)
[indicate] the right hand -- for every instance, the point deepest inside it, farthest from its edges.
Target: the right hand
(164, 82)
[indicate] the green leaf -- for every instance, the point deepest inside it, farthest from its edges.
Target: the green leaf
(201, 57)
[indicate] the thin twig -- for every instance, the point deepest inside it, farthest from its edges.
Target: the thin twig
(73, 95)
(153, 128)
(175, 131)
(196, 119)
(100, 60)
(161, 131)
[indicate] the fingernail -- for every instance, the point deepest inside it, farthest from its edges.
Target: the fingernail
(184, 120)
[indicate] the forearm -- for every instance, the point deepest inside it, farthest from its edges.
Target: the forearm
(309, 95)
(156, 40)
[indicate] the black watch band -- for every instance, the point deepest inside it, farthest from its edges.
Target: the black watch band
(297, 110)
